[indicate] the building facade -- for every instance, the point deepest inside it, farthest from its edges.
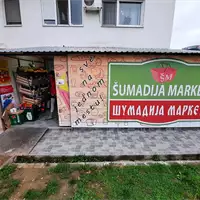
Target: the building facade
(110, 87)
(130, 23)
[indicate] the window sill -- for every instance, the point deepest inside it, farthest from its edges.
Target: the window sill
(51, 25)
(122, 26)
(13, 25)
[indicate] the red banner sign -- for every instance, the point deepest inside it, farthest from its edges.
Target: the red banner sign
(6, 89)
(154, 111)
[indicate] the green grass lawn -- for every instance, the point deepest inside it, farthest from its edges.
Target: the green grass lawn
(155, 182)
(51, 189)
(7, 184)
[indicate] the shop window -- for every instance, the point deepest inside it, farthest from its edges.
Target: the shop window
(12, 12)
(62, 12)
(122, 13)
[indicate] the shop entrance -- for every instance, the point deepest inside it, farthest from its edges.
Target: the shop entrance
(31, 100)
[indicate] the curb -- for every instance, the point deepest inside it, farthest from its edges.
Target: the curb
(103, 158)
(102, 164)
(84, 158)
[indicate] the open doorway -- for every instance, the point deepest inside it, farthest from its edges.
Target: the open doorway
(33, 92)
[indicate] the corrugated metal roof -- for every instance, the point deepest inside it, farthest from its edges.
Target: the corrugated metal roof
(65, 49)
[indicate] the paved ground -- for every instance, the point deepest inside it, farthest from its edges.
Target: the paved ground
(119, 142)
(41, 122)
(19, 141)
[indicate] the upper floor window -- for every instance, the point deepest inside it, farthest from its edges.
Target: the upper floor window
(12, 12)
(122, 13)
(62, 12)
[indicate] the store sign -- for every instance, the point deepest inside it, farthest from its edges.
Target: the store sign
(154, 92)
(6, 89)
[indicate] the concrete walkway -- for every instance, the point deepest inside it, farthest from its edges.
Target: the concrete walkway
(19, 141)
(117, 142)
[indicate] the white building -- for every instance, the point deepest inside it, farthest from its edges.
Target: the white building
(121, 23)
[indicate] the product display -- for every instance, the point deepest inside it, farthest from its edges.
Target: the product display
(32, 84)
(33, 87)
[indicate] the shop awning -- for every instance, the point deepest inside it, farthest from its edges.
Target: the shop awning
(64, 49)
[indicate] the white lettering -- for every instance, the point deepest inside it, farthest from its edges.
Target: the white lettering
(124, 109)
(196, 110)
(138, 111)
(157, 110)
(131, 110)
(198, 93)
(178, 111)
(185, 107)
(147, 90)
(161, 111)
(116, 110)
(139, 91)
(171, 110)
(193, 92)
(162, 91)
(145, 111)
(120, 90)
(190, 110)
(156, 91)
(180, 90)
(187, 90)
(130, 91)
(115, 88)
(172, 90)
(151, 110)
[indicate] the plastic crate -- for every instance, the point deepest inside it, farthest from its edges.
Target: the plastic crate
(16, 119)
(31, 114)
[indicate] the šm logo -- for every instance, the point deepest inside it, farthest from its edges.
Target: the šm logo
(165, 73)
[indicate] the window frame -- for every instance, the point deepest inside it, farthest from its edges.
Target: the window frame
(4, 16)
(102, 14)
(56, 16)
(118, 25)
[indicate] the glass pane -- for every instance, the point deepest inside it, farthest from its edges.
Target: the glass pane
(62, 11)
(76, 12)
(12, 12)
(109, 13)
(130, 13)
(48, 11)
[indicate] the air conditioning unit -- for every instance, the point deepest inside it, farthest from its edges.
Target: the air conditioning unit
(92, 6)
